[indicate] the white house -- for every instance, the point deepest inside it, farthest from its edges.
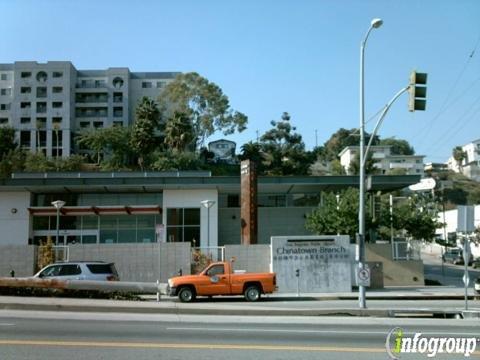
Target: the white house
(385, 160)
(470, 166)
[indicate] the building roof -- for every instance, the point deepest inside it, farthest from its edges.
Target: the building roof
(140, 182)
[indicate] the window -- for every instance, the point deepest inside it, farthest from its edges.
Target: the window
(6, 92)
(84, 124)
(41, 138)
(146, 84)
(183, 225)
(216, 270)
(41, 107)
(25, 74)
(4, 106)
(25, 90)
(3, 77)
(25, 105)
(57, 74)
(68, 270)
(57, 104)
(57, 89)
(117, 97)
(118, 123)
(98, 124)
(117, 112)
(25, 120)
(3, 121)
(42, 76)
(41, 92)
(100, 268)
(117, 83)
(25, 139)
(160, 84)
(56, 120)
(41, 123)
(100, 83)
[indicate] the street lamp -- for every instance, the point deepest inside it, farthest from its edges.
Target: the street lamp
(375, 24)
(58, 204)
(208, 204)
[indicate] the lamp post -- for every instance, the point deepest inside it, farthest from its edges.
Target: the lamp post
(375, 24)
(208, 204)
(58, 204)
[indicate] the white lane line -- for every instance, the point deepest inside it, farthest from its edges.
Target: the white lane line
(277, 330)
(6, 324)
(315, 331)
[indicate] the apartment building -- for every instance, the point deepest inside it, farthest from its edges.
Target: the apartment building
(470, 165)
(385, 161)
(47, 103)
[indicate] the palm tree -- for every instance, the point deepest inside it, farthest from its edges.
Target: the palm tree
(459, 155)
(179, 132)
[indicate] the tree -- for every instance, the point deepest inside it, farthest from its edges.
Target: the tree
(172, 160)
(398, 146)
(179, 132)
(13, 161)
(108, 144)
(370, 168)
(459, 155)
(143, 138)
(205, 105)
(332, 217)
(251, 151)
(7, 140)
(343, 138)
(284, 150)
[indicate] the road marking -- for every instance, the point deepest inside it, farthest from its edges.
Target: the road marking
(190, 346)
(290, 331)
(6, 324)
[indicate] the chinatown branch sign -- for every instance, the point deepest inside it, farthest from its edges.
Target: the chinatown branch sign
(312, 264)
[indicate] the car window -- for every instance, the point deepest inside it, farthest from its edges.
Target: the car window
(53, 270)
(70, 270)
(216, 270)
(100, 268)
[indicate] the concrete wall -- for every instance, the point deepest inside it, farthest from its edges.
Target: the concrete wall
(138, 262)
(20, 258)
(398, 272)
(252, 258)
(192, 199)
(284, 221)
(14, 218)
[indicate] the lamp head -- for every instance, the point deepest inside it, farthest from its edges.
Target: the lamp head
(376, 23)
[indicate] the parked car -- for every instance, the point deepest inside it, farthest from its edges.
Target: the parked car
(476, 286)
(79, 270)
(220, 279)
(455, 256)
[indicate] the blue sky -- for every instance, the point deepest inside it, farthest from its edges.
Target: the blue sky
(274, 56)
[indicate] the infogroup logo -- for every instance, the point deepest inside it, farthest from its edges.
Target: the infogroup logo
(398, 343)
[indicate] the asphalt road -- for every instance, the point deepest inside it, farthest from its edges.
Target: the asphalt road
(56, 335)
(450, 275)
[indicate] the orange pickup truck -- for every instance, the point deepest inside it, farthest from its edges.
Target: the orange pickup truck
(219, 279)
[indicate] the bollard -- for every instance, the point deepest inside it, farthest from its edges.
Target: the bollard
(12, 273)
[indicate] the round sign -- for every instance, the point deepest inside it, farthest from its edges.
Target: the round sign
(364, 274)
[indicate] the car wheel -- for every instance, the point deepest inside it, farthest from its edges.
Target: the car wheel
(186, 295)
(252, 293)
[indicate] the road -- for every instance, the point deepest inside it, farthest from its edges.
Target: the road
(451, 275)
(60, 335)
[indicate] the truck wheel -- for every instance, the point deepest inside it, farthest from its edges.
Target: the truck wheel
(252, 293)
(186, 294)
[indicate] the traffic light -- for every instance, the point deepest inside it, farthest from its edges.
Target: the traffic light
(418, 94)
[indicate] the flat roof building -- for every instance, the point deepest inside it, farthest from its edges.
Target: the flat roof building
(47, 103)
(143, 207)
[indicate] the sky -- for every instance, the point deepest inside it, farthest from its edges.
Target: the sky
(271, 56)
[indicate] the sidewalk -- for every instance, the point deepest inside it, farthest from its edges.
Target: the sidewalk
(390, 302)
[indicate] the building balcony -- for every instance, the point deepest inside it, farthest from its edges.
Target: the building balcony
(402, 166)
(92, 103)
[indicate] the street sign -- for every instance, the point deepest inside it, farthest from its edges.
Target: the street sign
(466, 279)
(424, 184)
(465, 219)
(363, 276)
